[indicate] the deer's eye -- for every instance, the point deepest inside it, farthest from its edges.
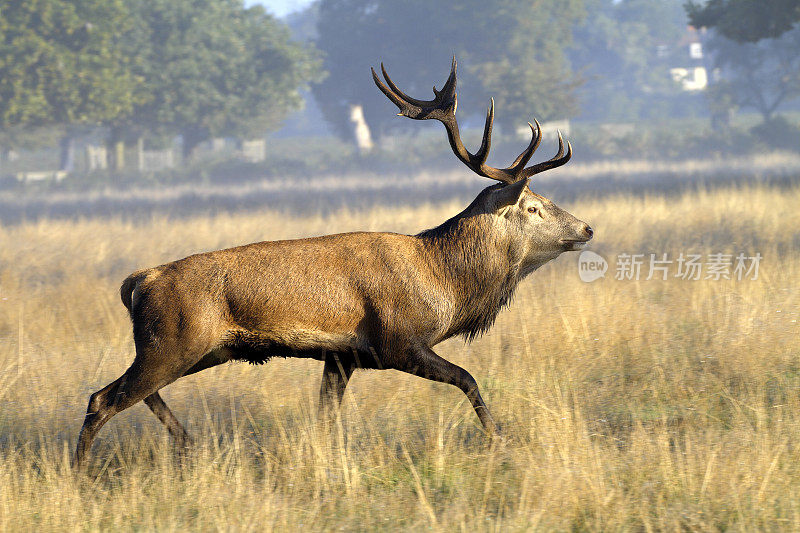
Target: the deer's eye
(532, 210)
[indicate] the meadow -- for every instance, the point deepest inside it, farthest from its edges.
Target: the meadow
(626, 404)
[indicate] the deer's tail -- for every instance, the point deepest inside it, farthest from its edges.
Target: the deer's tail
(128, 286)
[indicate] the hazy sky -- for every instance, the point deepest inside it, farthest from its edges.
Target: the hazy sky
(280, 8)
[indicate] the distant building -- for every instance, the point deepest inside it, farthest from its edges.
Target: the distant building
(690, 72)
(694, 79)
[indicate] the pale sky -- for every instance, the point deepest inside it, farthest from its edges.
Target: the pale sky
(280, 8)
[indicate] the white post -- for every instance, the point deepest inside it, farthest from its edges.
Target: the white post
(140, 153)
(360, 129)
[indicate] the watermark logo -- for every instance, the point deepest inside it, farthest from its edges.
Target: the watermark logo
(591, 266)
(686, 266)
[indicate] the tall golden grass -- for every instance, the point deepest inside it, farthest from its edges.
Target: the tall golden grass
(643, 405)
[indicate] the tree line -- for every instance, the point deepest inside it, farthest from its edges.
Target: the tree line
(207, 68)
(194, 68)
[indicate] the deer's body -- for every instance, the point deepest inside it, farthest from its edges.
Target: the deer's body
(294, 297)
(353, 300)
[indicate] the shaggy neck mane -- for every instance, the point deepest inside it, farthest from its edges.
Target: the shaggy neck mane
(478, 266)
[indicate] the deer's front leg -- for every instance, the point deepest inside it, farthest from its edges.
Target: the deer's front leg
(425, 363)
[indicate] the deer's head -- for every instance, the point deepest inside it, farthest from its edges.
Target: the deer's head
(536, 229)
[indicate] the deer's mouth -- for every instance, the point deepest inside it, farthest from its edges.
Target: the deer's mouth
(573, 244)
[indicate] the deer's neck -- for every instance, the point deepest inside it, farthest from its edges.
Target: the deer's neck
(477, 266)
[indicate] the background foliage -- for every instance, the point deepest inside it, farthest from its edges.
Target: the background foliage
(60, 63)
(211, 68)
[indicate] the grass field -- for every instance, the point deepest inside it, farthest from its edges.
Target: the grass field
(627, 405)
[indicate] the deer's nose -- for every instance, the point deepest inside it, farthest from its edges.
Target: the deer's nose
(587, 229)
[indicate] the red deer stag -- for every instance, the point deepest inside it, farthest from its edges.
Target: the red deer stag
(355, 300)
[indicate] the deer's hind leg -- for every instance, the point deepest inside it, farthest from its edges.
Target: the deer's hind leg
(163, 412)
(149, 372)
(165, 415)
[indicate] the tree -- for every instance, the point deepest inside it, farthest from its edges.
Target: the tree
(511, 49)
(761, 75)
(212, 68)
(755, 46)
(746, 21)
(617, 52)
(59, 64)
(527, 70)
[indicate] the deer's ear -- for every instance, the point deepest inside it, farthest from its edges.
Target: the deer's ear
(510, 194)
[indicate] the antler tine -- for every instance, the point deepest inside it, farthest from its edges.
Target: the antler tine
(559, 159)
(486, 142)
(396, 100)
(441, 108)
(449, 87)
(404, 96)
(523, 158)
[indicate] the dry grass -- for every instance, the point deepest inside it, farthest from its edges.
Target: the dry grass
(644, 405)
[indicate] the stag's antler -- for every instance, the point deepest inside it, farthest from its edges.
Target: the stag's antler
(443, 109)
